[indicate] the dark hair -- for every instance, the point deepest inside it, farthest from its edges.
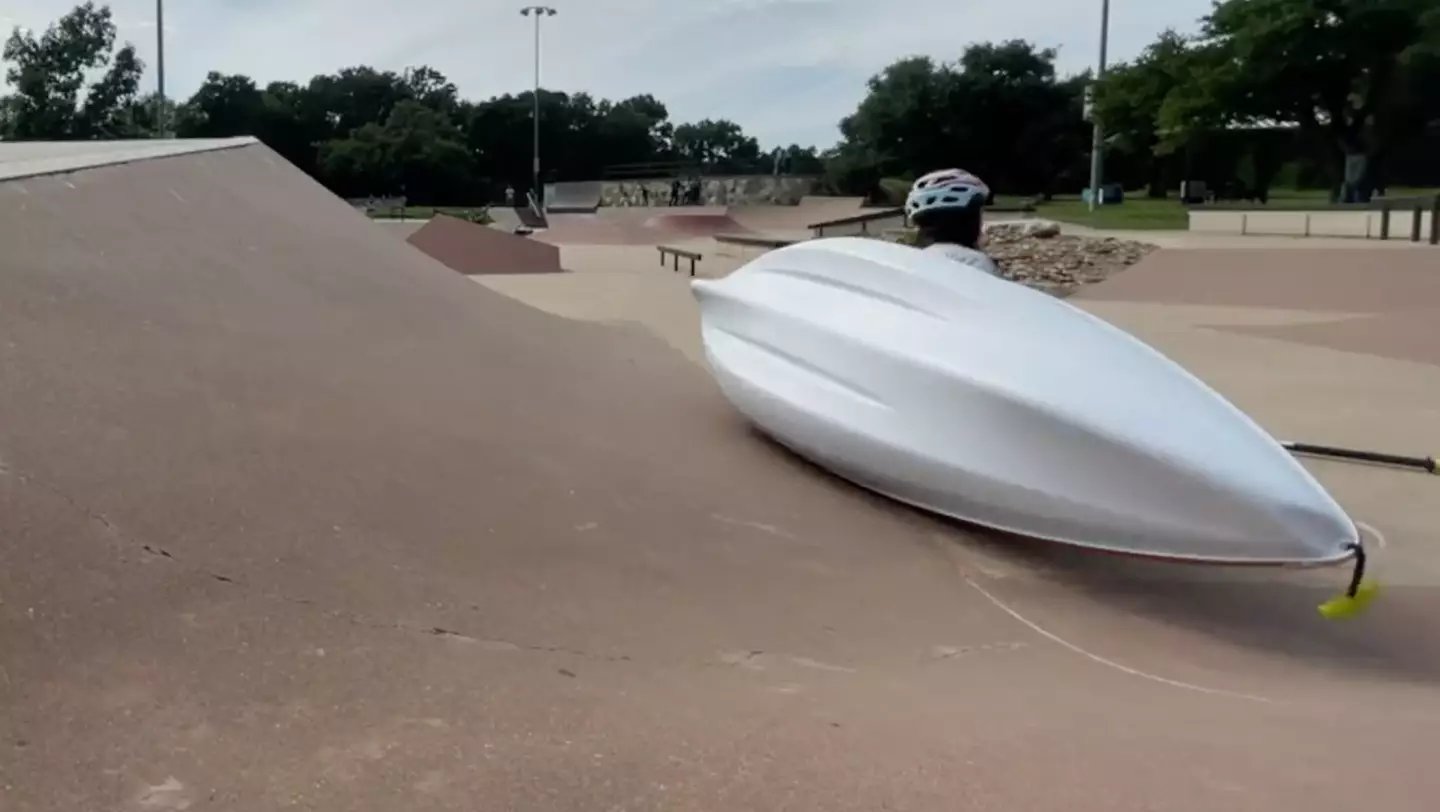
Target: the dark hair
(960, 226)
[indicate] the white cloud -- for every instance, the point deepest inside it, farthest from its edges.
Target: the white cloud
(786, 70)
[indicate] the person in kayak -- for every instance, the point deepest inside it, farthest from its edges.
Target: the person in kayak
(946, 207)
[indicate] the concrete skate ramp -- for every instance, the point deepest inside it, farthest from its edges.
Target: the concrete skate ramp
(690, 226)
(592, 229)
(641, 214)
(573, 196)
(401, 229)
(293, 515)
(473, 249)
(1379, 302)
(811, 209)
(636, 226)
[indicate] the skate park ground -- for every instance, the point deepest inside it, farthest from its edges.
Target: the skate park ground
(293, 516)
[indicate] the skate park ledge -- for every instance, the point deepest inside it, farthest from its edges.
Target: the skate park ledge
(1415, 219)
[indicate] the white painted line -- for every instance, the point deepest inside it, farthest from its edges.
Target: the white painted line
(1371, 530)
(1108, 663)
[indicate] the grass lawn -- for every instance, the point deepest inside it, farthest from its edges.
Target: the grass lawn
(1139, 212)
(1135, 213)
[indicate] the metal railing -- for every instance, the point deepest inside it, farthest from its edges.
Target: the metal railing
(1416, 206)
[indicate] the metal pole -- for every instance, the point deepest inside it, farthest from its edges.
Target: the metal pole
(538, 11)
(160, 68)
(1426, 464)
(1097, 155)
(535, 117)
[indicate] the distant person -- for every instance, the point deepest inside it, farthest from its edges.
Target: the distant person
(693, 193)
(645, 194)
(510, 196)
(675, 192)
(946, 207)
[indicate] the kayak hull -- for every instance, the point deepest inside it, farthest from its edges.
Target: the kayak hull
(965, 395)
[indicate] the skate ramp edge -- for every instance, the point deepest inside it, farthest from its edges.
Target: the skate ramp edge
(573, 196)
(23, 159)
(865, 224)
(680, 225)
(1375, 302)
(474, 250)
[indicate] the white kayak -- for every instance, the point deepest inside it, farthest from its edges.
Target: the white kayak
(961, 393)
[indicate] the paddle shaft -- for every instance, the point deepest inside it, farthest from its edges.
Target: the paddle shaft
(1426, 464)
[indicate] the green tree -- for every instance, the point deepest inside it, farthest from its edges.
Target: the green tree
(853, 167)
(631, 131)
(798, 160)
(1000, 111)
(498, 133)
(362, 130)
(899, 125)
(1336, 68)
(1128, 102)
(431, 88)
(50, 72)
(224, 105)
(1023, 123)
(418, 152)
(718, 145)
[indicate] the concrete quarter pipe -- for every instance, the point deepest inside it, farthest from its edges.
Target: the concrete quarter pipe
(473, 249)
(293, 516)
(637, 226)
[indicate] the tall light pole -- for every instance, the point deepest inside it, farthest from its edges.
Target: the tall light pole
(1097, 148)
(160, 68)
(538, 12)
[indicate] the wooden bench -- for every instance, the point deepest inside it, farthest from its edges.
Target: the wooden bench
(676, 255)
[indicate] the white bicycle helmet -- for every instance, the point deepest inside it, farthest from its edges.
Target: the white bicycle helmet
(945, 189)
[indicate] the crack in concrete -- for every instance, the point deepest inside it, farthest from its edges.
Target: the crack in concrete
(956, 652)
(93, 515)
(506, 645)
(349, 617)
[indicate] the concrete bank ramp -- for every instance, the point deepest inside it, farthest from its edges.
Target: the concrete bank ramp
(573, 196)
(811, 209)
(683, 226)
(473, 249)
(292, 515)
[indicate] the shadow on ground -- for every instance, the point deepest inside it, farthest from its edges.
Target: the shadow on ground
(1270, 610)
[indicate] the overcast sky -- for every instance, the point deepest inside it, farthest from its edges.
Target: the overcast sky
(785, 70)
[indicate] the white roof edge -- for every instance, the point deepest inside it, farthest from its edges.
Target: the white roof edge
(26, 159)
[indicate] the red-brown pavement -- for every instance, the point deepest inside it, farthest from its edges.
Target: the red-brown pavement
(292, 516)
